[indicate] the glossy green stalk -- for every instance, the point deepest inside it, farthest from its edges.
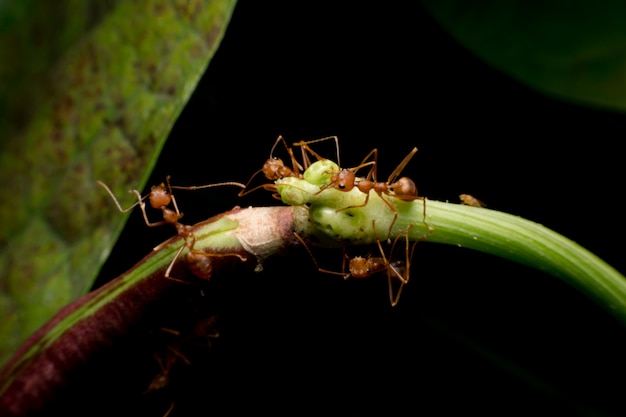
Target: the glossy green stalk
(504, 235)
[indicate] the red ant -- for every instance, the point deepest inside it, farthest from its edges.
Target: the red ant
(166, 363)
(360, 267)
(404, 188)
(202, 335)
(471, 201)
(172, 355)
(160, 197)
(275, 169)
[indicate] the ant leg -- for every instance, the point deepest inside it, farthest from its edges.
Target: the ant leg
(268, 187)
(218, 184)
(401, 166)
(380, 247)
(178, 354)
(320, 269)
(394, 299)
(171, 265)
(371, 175)
(169, 189)
(190, 241)
(429, 227)
(304, 147)
(200, 187)
(394, 272)
(245, 191)
(367, 198)
(169, 410)
(298, 169)
(395, 216)
(346, 259)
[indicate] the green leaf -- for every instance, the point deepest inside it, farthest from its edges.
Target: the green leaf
(89, 90)
(573, 51)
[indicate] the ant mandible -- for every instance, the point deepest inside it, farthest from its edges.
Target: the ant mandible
(160, 198)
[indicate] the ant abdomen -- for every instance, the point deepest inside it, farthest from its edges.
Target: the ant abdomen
(200, 264)
(275, 169)
(343, 180)
(404, 189)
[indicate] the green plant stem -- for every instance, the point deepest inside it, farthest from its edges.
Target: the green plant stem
(501, 234)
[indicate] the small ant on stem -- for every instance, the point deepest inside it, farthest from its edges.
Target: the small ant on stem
(404, 188)
(360, 267)
(161, 197)
(470, 200)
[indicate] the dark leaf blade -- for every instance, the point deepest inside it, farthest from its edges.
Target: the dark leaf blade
(569, 51)
(102, 111)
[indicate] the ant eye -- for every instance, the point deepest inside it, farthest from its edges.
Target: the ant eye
(342, 186)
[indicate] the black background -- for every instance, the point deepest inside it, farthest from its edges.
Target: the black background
(472, 333)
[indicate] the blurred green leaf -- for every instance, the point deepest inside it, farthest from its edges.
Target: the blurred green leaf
(88, 90)
(571, 50)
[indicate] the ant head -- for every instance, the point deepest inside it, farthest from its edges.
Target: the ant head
(159, 196)
(275, 169)
(343, 180)
(359, 267)
(365, 267)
